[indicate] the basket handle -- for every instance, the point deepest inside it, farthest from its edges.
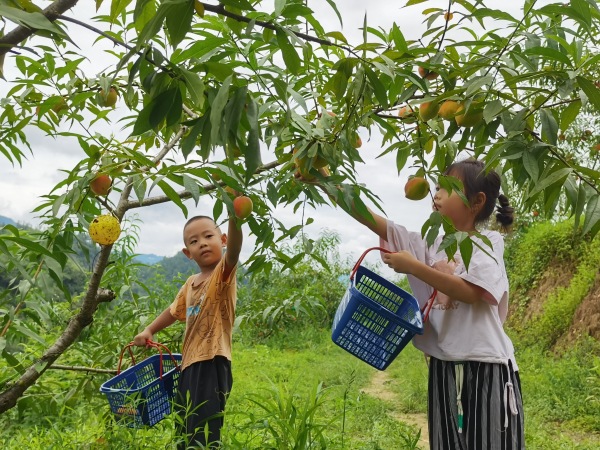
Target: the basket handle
(426, 309)
(356, 266)
(149, 343)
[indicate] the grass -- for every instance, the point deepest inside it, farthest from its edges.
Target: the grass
(301, 391)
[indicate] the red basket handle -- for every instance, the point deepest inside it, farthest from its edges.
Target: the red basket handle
(426, 309)
(149, 343)
(355, 268)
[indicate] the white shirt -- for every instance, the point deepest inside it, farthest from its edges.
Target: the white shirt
(458, 331)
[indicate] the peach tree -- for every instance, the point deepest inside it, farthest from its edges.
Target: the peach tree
(234, 95)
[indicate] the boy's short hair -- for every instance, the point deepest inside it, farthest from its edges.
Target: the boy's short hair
(193, 219)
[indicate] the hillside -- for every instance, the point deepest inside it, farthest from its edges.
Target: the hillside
(555, 285)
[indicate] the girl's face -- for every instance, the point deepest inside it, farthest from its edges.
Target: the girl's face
(453, 207)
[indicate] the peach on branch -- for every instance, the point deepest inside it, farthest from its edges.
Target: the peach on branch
(469, 117)
(448, 109)
(242, 207)
(429, 110)
(427, 74)
(108, 100)
(100, 184)
(416, 188)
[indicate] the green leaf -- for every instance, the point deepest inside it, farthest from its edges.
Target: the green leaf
(116, 8)
(377, 86)
(216, 110)
(179, 20)
(530, 162)
(569, 114)
(35, 20)
(592, 214)
(172, 194)
(549, 126)
(398, 39)
(189, 141)
(199, 48)
(555, 177)
(590, 90)
(253, 158)
(191, 185)
(549, 54)
(466, 250)
(195, 87)
(290, 57)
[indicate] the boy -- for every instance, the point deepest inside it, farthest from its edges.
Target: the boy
(207, 304)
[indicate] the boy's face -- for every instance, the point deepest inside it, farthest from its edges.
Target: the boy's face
(204, 243)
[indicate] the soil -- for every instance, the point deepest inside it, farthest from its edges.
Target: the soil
(550, 281)
(586, 321)
(379, 388)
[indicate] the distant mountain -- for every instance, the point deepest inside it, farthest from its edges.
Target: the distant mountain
(148, 258)
(7, 221)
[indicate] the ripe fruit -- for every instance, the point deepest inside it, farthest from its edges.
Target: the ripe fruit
(473, 116)
(428, 110)
(448, 16)
(596, 148)
(108, 100)
(448, 109)
(427, 74)
(101, 184)
(105, 229)
(358, 142)
(416, 188)
(535, 213)
(232, 191)
(407, 114)
(242, 207)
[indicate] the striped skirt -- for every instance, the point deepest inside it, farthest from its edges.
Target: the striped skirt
(474, 406)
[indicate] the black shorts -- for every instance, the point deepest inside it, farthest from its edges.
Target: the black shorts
(202, 394)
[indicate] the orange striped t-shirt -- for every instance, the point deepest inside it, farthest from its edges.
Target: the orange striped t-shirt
(208, 309)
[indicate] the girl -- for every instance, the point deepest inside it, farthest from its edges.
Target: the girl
(474, 399)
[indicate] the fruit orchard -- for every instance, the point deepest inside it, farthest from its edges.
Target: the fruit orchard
(236, 77)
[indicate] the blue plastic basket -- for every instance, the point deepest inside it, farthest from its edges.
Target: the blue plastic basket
(375, 319)
(142, 395)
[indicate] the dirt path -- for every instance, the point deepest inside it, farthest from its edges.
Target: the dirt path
(379, 388)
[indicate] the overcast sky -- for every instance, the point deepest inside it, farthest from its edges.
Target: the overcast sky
(22, 187)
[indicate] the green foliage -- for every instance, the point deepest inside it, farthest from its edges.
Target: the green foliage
(547, 249)
(302, 297)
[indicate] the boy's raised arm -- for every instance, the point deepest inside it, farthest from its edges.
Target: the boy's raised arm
(234, 245)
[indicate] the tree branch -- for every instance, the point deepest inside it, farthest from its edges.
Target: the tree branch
(82, 369)
(187, 194)
(19, 34)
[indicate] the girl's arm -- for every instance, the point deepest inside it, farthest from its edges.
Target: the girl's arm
(376, 223)
(452, 285)
(163, 320)
(234, 246)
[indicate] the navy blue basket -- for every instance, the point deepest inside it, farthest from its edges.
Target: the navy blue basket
(142, 395)
(375, 319)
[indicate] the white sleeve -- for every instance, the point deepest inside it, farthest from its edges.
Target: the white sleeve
(486, 269)
(399, 238)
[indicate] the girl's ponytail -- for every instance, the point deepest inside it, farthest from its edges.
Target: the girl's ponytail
(504, 212)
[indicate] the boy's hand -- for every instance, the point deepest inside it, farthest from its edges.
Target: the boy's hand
(140, 339)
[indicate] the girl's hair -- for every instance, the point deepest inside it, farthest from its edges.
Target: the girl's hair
(475, 179)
